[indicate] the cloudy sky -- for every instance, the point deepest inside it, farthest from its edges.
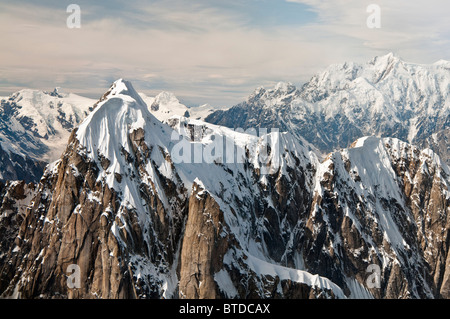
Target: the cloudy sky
(206, 51)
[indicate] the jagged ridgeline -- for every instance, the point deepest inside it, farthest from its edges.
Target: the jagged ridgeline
(140, 223)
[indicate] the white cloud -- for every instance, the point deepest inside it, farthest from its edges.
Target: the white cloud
(204, 53)
(416, 30)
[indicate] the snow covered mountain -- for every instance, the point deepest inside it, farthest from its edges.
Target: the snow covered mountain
(165, 105)
(385, 97)
(34, 129)
(150, 209)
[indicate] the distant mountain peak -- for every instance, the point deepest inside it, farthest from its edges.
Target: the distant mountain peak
(389, 57)
(166, 97)
(385, 96)
(55, 93)
(165, 105)
(258, 92)
(34, 128)
(443, 63)
(285, 87)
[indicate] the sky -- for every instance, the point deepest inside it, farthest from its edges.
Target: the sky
(206, 51)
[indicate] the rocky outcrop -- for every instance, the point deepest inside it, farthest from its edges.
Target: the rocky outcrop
(439, 142)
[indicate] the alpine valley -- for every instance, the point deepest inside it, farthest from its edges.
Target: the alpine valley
(350, 176)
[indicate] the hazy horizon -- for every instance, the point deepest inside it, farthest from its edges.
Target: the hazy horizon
(206, 51)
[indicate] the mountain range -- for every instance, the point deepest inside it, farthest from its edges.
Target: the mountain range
(385, 97)
(150, 199)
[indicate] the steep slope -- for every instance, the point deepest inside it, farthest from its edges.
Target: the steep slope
(438, 141)
(34, 129)
(384, 97)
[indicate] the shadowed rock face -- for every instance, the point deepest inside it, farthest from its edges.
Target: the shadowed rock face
(17, 167)
(64, 227)
(15, 196)
(239, 234)
(403, 230)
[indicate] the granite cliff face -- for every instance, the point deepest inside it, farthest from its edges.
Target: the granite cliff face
(132, 205)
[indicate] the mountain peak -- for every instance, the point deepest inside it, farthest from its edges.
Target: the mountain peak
(285, 87)
(122, 88)
(166, 97)
(56, 92)
(388, 56)
(391, 55)
(105, 131)
(387, 59)
(257, 93)
(443, 63)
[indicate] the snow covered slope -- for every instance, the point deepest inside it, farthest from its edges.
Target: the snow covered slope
(165, 105)
(47, 116)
